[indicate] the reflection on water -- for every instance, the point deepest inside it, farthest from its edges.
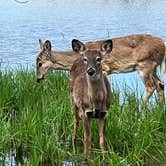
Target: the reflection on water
(13, 157)
(16, 156)
(67, 163)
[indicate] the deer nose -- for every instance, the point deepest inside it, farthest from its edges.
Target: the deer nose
(91, 71)
(40, 79)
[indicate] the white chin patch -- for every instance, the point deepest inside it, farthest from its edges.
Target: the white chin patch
(94, 76)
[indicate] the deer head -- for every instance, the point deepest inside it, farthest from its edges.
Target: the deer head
(92, 58)
(43, 61)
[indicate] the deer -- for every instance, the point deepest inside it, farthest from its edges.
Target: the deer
(90, 91)
(138, 52)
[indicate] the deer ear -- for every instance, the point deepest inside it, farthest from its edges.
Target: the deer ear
(78, 46)
(106, 47)
(47, 49)
(47, 46)
(41, 44)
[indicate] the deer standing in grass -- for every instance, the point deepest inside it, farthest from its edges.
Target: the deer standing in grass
(90, 91)
(142, 53)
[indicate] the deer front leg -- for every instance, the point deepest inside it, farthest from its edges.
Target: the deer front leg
(102, 126)
(76, 125)
(87, 135)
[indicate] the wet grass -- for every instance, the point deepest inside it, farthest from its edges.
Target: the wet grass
(36, 124)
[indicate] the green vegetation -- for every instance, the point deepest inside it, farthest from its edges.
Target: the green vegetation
(36, 124)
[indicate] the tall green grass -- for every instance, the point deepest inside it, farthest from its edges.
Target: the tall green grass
(36, 124)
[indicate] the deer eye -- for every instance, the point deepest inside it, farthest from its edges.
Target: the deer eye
(85, 60)
(98, 59)
(40, 64)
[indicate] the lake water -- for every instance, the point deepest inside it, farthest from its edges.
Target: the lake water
(21, 25)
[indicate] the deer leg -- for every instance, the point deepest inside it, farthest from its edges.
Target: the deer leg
(152, 82)
(149, 92)
(102, 126)
(159, 87)
(76, 125)
(87, 135)
(149, 84)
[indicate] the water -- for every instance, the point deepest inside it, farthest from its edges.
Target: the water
(21, 25)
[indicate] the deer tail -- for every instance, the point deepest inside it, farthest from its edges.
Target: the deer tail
(163, 64)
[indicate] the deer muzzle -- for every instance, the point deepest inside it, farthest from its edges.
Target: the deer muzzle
(91, 71)
(40, 79)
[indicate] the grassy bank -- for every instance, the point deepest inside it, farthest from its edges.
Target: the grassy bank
(36, 124)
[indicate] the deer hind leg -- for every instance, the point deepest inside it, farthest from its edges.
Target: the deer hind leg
(102, 126)
(149, 84)
(159, 87)
(149, 92)
(154, 83)
(87, 135)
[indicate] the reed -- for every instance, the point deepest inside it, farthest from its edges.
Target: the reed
(36, 124)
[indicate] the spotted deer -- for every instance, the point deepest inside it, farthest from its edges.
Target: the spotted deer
(142, 53)
(90, 91)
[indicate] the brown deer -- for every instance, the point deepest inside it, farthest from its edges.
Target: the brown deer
(90, 91)
(141, 52)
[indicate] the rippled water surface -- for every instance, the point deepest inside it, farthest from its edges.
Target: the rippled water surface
(21, 25)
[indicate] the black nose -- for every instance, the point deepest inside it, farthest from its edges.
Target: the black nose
(91, 71)
(40, 79)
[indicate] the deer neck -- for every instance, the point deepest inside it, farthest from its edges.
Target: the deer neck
(63, 60)
(96, 93)
(94, 86)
